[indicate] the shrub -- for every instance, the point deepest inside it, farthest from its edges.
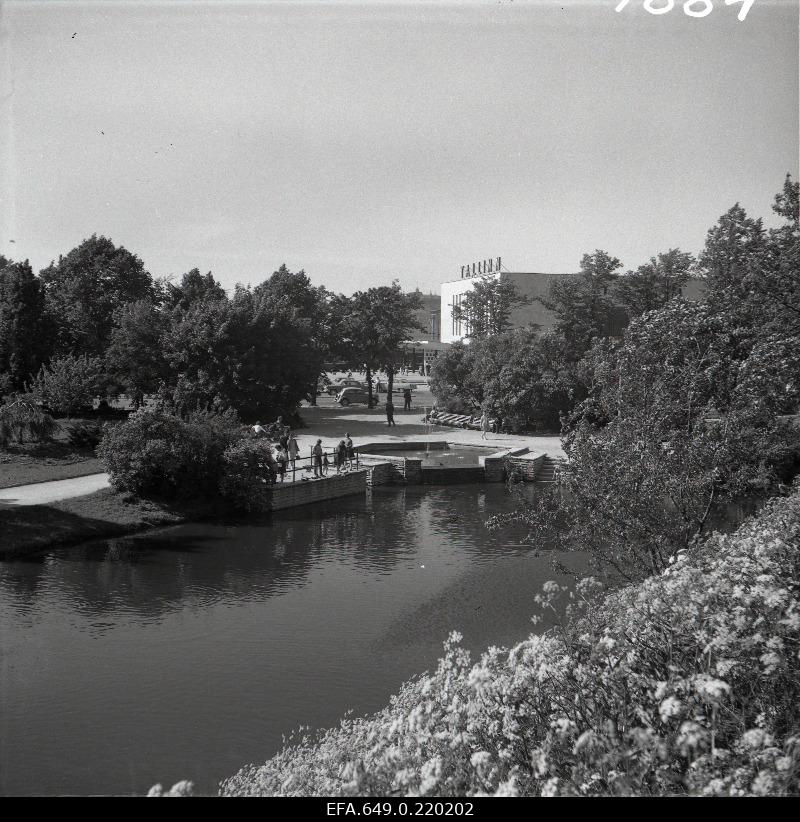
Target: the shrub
(158, 454)
(685, 683)
(21, 420)
(85, 434)
(247, 475)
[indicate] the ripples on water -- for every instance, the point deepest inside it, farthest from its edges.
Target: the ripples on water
(188, 652)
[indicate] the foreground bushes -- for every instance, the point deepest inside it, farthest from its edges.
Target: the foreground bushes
(158, 454)
(688, 682)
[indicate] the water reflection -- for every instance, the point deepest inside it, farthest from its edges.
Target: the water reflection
(187, 652)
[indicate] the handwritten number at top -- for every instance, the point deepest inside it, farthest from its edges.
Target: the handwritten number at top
(691, 8)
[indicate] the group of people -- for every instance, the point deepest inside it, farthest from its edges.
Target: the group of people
(343, 457)
(287, 449)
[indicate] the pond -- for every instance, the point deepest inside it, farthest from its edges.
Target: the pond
(188, 652)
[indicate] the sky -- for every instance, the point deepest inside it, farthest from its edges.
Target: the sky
(374, 141)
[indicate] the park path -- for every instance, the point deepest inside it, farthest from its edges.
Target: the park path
(42, 493)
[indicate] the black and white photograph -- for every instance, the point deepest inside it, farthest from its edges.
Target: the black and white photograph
(399, 401)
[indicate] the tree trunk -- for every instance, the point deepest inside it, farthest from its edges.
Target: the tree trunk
(369, 387)
(390, 381)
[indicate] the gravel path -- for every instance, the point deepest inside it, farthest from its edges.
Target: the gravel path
(41, 493)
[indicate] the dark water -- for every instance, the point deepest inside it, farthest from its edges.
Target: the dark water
(189, 652)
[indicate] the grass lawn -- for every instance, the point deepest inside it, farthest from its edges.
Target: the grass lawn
(23, 464)
(26, 528)
(41, 462)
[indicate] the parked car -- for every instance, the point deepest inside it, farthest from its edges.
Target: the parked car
(351, 395)
(397, 387)
(344, 382)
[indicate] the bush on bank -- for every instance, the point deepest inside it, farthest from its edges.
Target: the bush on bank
(685, 683)
(158, 454)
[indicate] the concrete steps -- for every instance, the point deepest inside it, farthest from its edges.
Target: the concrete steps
(548, 472)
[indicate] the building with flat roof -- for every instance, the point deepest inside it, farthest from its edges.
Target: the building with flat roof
(530, 284)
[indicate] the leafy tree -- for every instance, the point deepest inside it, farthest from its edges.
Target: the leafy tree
(22, 327)
(194, 287)
(68, 383)
(381, 319)
(518, 376)
(294, 295)
(453, 376)
(85, 288)
(486, 308)
(247, 353)
(655, 283)
(584, 305)
(135, 356)
(735, 248)
(648, 471)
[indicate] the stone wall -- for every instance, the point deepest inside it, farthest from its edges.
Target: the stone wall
(528, 467)
(401, 471)
(292, 494)
(379, 473)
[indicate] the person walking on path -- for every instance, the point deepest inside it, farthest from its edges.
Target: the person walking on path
(484, 425)
(390, 412)
(351, 452)
(407, 399)
(316, 453)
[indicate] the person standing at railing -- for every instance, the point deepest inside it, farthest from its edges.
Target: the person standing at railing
(407, 399)
(351, 452)
(294, 452)
(316, 458)
(341, 457)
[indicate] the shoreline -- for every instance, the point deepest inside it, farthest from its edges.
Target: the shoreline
(31, 529)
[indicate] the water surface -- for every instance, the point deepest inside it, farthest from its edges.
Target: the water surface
(188, 652)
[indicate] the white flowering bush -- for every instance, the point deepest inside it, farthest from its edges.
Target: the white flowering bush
(685, 683)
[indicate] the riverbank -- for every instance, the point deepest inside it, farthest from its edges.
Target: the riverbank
(31, 528)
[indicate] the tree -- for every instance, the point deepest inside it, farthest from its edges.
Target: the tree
(735, 248)
(194, 287)
(649, 472)
(453, 376)
(135, 356)
(486, 308)
(381, 319)
(22, 327)
(584, 304)
(517, 375)
(294, 295)
(85, 288)
(653, 284)
(247, 353)
(68, 383)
